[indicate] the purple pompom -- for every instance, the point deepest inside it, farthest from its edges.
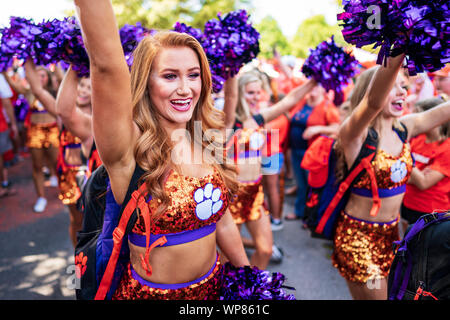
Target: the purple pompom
(417, 28)
(196, 33)
(250, 283)
(332, 67)
(17, 41)
(21, 108)
(130, 36)
(230, 42)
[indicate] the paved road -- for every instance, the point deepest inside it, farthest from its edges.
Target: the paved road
(36, 261)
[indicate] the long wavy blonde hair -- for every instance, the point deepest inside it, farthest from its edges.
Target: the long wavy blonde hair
(153, 148)
(243, 111)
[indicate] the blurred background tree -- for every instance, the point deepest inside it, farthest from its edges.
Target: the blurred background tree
(272, 36)
(313, 31)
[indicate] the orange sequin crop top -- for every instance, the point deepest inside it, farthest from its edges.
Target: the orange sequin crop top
(391, 174)
(195, 203)
(246, 143)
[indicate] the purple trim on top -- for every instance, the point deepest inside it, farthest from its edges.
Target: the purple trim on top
(174, 286)
(73, 145)
(39, 111)
(382, 193)
(371, 222)
(173, 239)
(249, 154)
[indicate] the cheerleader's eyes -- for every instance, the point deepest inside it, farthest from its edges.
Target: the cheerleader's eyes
(194, 75)
(170, 76)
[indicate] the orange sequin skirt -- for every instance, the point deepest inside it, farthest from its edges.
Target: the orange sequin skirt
(247, 203)
(41, 136)
(363, 250)
(68, 182)
(133, 287)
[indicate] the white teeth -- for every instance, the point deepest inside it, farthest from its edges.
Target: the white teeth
(181, 101)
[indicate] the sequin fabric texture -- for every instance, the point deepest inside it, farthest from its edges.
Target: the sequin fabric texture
(247, 203)
(206, 289)
(186, 194)
(363, 250)
(390, 171)
(67, 175)
(41, 136)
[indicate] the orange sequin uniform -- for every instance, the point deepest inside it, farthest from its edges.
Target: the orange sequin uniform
(69, 175)
(363, 249)
(390, 172)
(187, 194)
(248, 203)
(42, 136)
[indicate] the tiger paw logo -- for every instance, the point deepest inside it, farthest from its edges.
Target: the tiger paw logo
(398, 171)
(80, 263)
(208, 201)
(256, 141)
(313, 200)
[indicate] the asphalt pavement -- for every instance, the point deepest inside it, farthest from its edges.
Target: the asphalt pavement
(36, 261)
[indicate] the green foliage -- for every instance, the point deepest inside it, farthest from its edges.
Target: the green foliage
(208, 9)
(272, 36)
(313, 31)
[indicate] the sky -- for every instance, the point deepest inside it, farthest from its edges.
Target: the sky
(288, 13)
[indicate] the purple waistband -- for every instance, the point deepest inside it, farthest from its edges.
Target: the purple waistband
(382, 193)
(73, 146)
(174, 286)
(38, 111)
(250, 154)
(370, 222)
(173, 239)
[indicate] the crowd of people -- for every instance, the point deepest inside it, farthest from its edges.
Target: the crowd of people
(272, 118)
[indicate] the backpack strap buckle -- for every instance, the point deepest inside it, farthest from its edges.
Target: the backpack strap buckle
(430, 218)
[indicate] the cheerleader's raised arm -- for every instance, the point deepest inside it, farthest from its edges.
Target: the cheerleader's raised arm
(354, 130)
(114, 130)
(75, 120)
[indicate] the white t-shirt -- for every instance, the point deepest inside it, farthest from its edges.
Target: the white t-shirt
(5, 90)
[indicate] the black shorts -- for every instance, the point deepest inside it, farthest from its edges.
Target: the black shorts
(411, 215)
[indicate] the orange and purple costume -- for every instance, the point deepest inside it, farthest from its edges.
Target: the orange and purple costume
(44, 135)
(197, 204)
(363, 249)
(248, 203)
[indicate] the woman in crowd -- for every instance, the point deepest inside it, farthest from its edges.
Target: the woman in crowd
(317, 115)
(246, 147)
(135, 120)
(43, 131)
(73, 106)
(368, 225)
(428, 188)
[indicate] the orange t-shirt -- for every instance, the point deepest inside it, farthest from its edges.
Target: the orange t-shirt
(435, 156)
(303, 116)
(282, 125)
(323, 114)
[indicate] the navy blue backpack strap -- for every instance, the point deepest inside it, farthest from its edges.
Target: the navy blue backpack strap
(117, 249)
(259, 119)
(402, 133)
(369, 147)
